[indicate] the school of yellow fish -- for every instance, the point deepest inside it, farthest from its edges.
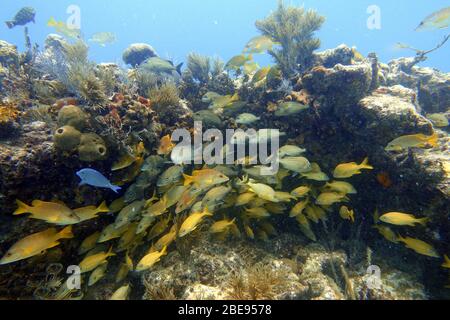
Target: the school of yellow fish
(228, 201)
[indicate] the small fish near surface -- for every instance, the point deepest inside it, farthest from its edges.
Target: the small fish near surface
(413, 141)
(62, 28)
(238, 61)
(22, 17)
(94, 178)
(259, 44)
(103, 38)
(34, 244)
(437, 20)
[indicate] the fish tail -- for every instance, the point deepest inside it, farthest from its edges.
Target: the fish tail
(365, 164)
(114, 188)
(110, 252)
(51, 22)
(187, 179)
(178, 67)
(433, 140)
(23, 208)
(206, 212)
(423, 221)
(66, 233)
(103, 207)
(10, 24)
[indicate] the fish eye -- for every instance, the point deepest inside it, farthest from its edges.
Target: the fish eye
(60, 131)
(101, 150)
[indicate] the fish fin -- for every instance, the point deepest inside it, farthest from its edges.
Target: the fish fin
(114, 188)
(206, 212)
(164, 250)
(51, 22)
(66, 233)
(187, 179)
(178, 67)
(110, 253)
(23, 208)
(433, 140)
(423, 221)
(10, 24)
(365, 164)
(103, 207)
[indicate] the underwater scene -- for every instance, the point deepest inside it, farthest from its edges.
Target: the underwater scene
(224, 150)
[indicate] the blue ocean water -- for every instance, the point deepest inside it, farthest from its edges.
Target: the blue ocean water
(222, 27)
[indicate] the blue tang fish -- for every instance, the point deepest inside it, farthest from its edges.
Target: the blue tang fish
(94, 178)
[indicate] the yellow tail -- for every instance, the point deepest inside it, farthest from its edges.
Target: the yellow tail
(66, 233)
(433, 140)
(188, 179)
(446, 263)
(110, 253)
(23, 208)
(103, 207)
(206, 212)
(51, 22)
(365, 164)
(422, 221)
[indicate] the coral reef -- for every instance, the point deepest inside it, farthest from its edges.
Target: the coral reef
(9, 56)
(60, 113)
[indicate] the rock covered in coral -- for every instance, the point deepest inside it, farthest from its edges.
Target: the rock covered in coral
(137, 53)
(383, 116)
(432, 86)
(331, 57)
(29, 165)
(343, 84)
(434, 93)
(9, 116)
(9, 55)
